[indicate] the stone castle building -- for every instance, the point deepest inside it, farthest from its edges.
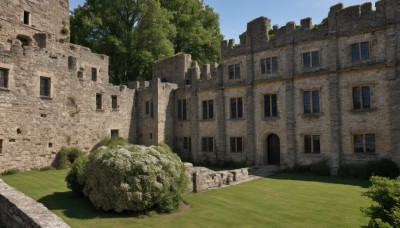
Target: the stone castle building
(288, 95)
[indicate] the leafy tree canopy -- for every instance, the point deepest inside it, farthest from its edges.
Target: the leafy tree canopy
(135, 33)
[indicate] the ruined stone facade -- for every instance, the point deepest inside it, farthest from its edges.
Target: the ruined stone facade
(295, 94)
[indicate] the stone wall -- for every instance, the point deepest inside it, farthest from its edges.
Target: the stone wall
(18, 210)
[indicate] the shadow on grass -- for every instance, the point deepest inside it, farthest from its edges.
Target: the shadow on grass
(78, 207)
(322, 179)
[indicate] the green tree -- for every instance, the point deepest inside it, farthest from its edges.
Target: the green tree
(135, 33)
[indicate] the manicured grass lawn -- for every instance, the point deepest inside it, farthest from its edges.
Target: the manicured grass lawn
(284, 200)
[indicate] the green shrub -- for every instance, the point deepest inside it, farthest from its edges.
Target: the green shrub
(135, 178)
(47, 168)
(10, 172)
(114, 142)
(320, 168)
(383, 167)
(386, 194)
(67, 156)
(76, 176)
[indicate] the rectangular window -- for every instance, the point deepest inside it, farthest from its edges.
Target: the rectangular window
(114, 133)
(270, 106)
(360, 51)
(151, 109)
(234, 71)
(94, 74)
(362, 97)
(236, 144)
(27, 18)
(311, 102)
(45, 85)
(182, 109)
(3, 78)
(311, 59)
(208, 110)
(236, 108)
(147, 108)
(269, 65)
(187, 143)
(207, 144)
(312, 144)
(114, 102)
(99, 102)
(364, 143)
(1, 146)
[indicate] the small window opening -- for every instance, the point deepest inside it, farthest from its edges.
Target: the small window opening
(99, 105)
(11, 140)
(19, 131)
(43, 115)
(3, 78)
(94, 74)
(1, 146)
(114, 133)
(80, 74)
(50, 145)
(45, 86)
(151, 135)
(27, 18)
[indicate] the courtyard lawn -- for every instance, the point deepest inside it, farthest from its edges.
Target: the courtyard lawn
(284, 200)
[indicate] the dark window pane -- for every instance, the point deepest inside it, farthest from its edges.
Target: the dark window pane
(307, 144)
(315, 101)
(211, 109)
(205, 110)
(204, 144)
(366, 97)
(237, 71)
(267, 106)
(231, 72)
(210, 144)
(274, 105)
(370, 143)
(240, 108)
(315, 58)
(98, 101)
(44, 86)
(3, 78)
(355, 52)
(114, 102)
(185, 143)
(316, 144)
(94, 74)
(233, 144)
(263, 66)
(114, 133)
(274, 64)
(356, 98)
(269, 66)
(147, 107)
(184, 110)
(239, 145)
(151, 109)
(307, 60)
(364, 50)
(307, 102)
(233, 108)
(358, 144)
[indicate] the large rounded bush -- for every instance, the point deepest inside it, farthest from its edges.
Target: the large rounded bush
(135, 178)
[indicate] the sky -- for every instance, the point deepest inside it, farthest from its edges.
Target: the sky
(234, 14)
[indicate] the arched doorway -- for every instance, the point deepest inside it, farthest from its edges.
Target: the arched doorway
(272, 150)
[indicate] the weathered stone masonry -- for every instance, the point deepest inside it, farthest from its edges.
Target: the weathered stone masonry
(336, 76)
(274, 98)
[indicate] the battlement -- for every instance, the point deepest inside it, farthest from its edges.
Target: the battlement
(340, 21)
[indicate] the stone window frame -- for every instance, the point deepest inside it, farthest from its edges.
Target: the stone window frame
(94, 74)
(236, 73)
(187, 143)
(237, 116)
(10, 77)
(360, 51)
(2, 142)
(52, 92)
(312, 113)
(312, 149)
(264, 70)
(235, 141)
(99, 102)
(45, 91)
(207, 114)
(114, 133)
(371, 97)
(271, 109)
(206, 141)
(6, 79)
(182, 109)
(311, 62)
(149, 108)
(27, 18)
(364, 142)
(114, 103)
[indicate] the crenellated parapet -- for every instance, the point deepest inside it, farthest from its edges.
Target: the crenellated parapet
(340, 21)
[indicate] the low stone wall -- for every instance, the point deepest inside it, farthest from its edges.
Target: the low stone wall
(18, 210)
(203, 179)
